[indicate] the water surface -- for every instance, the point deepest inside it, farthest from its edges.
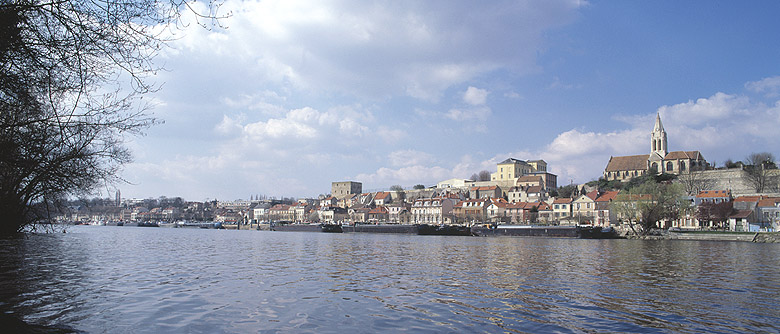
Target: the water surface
(154, 280)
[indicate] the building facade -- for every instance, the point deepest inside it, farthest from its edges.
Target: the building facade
(345, 188)
(625, 168)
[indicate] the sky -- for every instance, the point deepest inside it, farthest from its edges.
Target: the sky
(289, 96)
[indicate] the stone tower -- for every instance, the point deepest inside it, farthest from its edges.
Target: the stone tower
(658, 138)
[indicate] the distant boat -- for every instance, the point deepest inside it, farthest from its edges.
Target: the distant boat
(332, 228)
(596, 232)
(457, 230)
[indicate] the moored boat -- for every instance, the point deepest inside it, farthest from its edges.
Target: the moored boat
(596, 232)
(332, 228)
(457, 230)
(168, 224)
(526, 231)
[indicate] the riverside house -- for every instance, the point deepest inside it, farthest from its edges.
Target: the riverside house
(432, 210)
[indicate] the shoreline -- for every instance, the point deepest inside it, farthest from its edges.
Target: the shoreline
(754, 237)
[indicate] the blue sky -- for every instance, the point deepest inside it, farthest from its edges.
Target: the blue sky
(293, 95)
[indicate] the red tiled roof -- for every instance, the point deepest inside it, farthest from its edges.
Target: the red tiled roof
(693, 155)
(380, 209)
(749, 198)
(713, 193)
(485, 188)
(529, 178)
(534, 189)
(629, 162)
(544, 206)
(741, 214)
(769, 202)
(607, 196)
(562, 201)
(593, 195)
(635, 197)
(382, 195)
(473, 200)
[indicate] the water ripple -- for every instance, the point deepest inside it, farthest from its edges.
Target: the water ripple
(144, 280)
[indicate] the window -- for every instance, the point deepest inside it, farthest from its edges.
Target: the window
(669, 166)
(682, 166)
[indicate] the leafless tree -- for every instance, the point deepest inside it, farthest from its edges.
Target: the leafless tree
(484, 175)
(72, 74)
(761, 171)
(694, 181)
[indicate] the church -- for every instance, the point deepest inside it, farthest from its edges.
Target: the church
(624, 168)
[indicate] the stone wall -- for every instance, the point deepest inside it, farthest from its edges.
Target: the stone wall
(733, 179)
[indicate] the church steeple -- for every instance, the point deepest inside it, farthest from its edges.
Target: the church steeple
(658, 138)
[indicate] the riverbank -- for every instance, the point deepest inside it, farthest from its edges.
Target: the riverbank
(757, 237)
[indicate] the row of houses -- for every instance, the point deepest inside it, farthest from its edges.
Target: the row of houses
(719, 209)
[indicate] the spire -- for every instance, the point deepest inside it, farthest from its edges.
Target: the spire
(658, 138)
(658, 126)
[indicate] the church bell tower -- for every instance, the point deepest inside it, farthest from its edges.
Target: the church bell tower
(658, 138)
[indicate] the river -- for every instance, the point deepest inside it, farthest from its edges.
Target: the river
(154, 280)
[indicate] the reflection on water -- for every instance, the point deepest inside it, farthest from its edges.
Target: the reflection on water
(126, 279)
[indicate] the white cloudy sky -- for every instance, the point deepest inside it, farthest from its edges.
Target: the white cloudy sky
(293, 95)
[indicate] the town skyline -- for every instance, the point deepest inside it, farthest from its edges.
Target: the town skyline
(292, 96)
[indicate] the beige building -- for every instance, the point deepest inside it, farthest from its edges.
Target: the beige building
(562, 208)
(345, 188)
(510, 171)
(432, 210)
(454, 183)
(625, 168)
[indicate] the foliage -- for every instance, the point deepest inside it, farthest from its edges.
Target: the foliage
(604, 184)
(568, 191)
(732, 164)
(645, 205)
(649, 177)
(396, 188)
(418, 187)
(714, 212)
(484, 175)
(71, 78)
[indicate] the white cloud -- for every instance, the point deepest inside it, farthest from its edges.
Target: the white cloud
(228, 126)
(717, 107)
(408, 175)
(475, 96)
(721, 126)
(375, 49)
(557, 84)
(513, 95)
(409, 158)
(389, 135)
(581, 156)
(469, 114)
(769, 86)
